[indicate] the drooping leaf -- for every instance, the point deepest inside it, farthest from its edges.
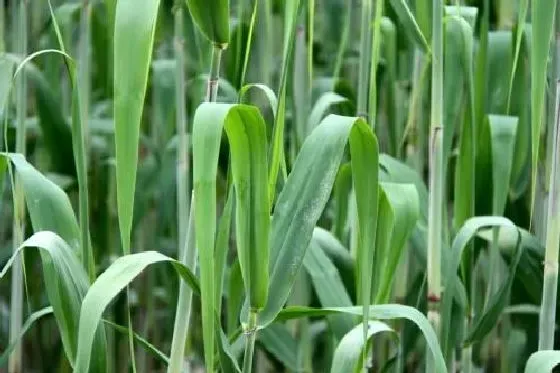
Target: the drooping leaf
(107, 286)
(379, 312)
(410, 25)
(66, 283)
(276, 339)
(350, 349)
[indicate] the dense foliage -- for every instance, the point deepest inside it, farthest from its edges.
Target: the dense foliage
(279, 185)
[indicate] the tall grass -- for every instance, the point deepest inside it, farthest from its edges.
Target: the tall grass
(283, 201)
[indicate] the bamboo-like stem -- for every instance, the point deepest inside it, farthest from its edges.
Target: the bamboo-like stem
(16, 306)
(365, 56)
(183, 311)
(548, 306)
(81, 135)
(374, 62)
(435, 224)
(214, 77)
(251, 334)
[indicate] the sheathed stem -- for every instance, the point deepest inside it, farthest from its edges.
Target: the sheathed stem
(435, 208)
(251, 334)
(365, 56)
(548, 306)
(214, 77)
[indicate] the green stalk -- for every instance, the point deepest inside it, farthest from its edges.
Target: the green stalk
(183, 310)
(365, 56)
(16, 306)
(251, 334)
(435, 224)
(310, 23)
(375, 62)
(80, 143)
(548, 305)
(214, 77)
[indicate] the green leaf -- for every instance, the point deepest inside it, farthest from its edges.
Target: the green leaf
(305, 194)
(26, 326)
(134, 38)
(542, 21)
(107, 286)
(48, 206)
(352, 346)
(246, 132)
(212, 18)
(542, 361)
(66, 283)
(379, 312)
(411, 28)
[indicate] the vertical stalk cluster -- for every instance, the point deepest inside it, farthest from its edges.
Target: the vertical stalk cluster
(187, 247)
(435, 207)
(16, 305)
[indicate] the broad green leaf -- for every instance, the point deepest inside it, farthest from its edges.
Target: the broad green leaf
(352, 346)
(328, 285)
(408, 21)
(66, 283)
(542, 21)
(134, 37)
(276, 339)
(519, 32)
(542, 361)
(379, 312)
(107, 286)
(500, 60)
(305, 194)
(246, 132)
(35, 316)
(212, 18)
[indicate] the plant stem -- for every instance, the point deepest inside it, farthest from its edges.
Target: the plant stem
(435, 207)
(365, 56)
(16, 306)
(183, 311)
(251, 333)
(214, 77)
(343, 42)
(548, 305)
(374, 62)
